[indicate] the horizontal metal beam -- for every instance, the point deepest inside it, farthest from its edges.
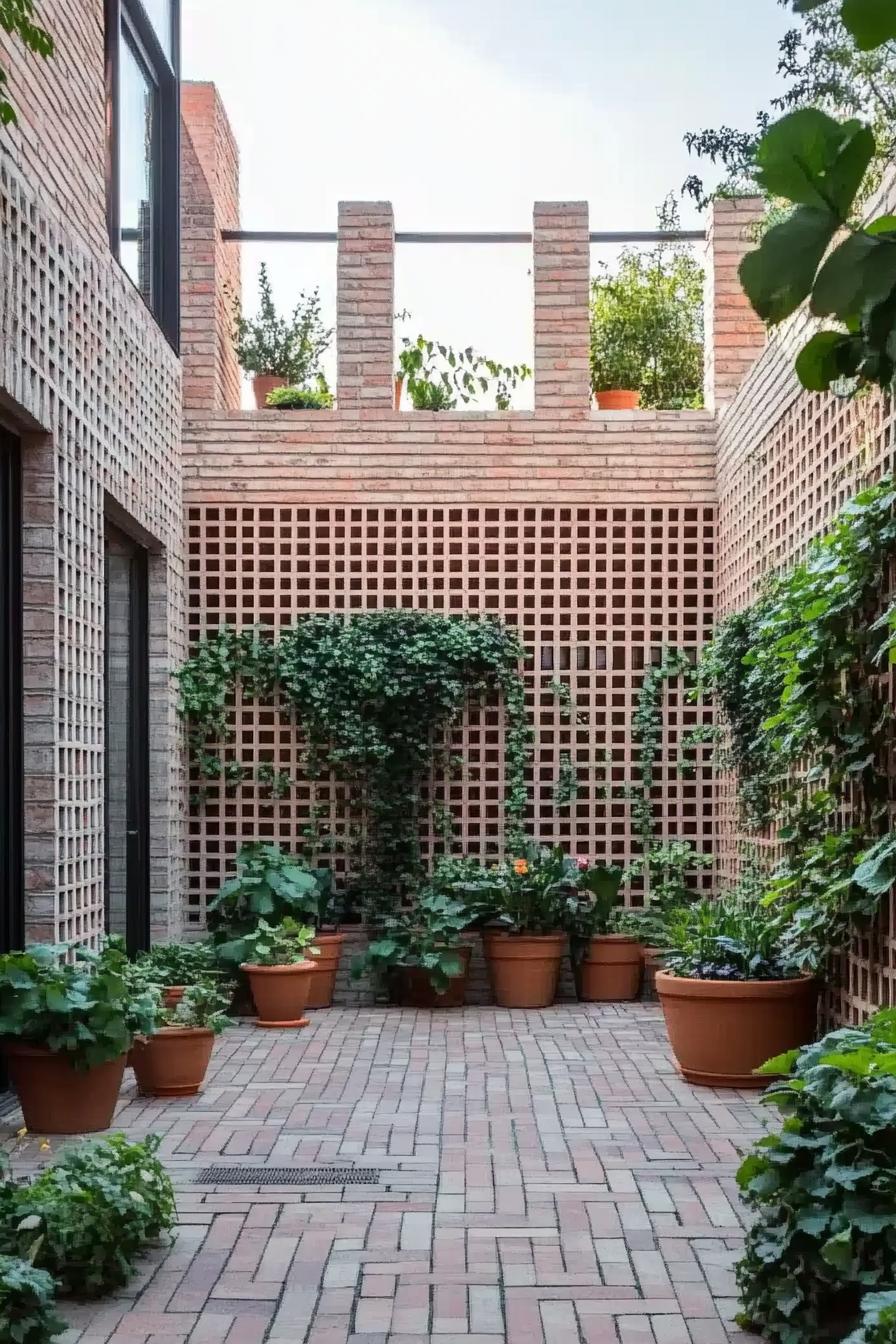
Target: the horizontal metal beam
(316, 236)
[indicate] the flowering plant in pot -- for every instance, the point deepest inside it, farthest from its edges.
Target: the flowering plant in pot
(279, 971)
(732, 994)
(606, 960)
(533, 897)
(280, 351)
(420, 955)
(66, 1028)
(173, 1061)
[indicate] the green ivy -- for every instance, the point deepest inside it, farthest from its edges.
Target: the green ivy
(374, 698)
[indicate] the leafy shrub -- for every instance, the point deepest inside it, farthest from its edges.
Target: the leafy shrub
(823, 1190)
(85, 1008)
(428, 935)
(204, 1004)
(168, 964)
(535, 893)
(270, 884)
(878, 1320)
(86, 1218)
(26, 1303)
(283, 944)
(728, 938)
(436, 375)
(318, 398)
(290, 347)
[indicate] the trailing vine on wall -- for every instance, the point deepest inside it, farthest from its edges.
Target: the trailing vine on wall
(374, 698)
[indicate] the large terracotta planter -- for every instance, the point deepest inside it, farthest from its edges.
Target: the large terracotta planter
(57, 1098)
(721, 1030)
(652, 958)
(280, 993)
(525, 968)
(610, 970)
(617, 400)
(173, 1062)
(324, 969)
(262, 384)
(413, 988)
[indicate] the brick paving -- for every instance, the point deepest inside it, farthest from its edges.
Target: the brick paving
(544, 1176)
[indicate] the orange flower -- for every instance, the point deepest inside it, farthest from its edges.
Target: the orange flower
(520, 867)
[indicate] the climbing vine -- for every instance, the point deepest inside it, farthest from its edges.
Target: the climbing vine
(374, 698)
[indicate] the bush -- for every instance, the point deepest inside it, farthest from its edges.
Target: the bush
(427, 935)
(168, 964)
(86, 1218)
(289, 347)
(26, 1303)
(86, 1008)
(729, 938)
(823, 1190)
(301, 398)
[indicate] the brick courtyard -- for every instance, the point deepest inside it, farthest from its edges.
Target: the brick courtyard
(542, 1176)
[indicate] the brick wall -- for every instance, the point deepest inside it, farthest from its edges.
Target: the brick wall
(92, 387)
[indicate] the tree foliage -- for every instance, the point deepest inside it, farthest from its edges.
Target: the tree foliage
(16, 18)
(290, 347)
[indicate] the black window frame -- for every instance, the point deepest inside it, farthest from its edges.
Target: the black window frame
(12, 801)
(126, 20)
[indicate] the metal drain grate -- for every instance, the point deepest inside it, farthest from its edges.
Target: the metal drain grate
(288, 1176)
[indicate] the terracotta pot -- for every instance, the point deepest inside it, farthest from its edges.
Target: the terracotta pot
(525, 968)
(652, 958)
(399, 384)
(173, 1062)
(280, 993)
(172, 995)
(324, 969)
(262, 384)
(721, 1030)
(57, 1098)
(413, 988)
(610, 971)
(617, 400)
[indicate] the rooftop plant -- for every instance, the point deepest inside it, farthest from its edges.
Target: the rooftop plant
(289, 347)
(318, 398)
(437, 375)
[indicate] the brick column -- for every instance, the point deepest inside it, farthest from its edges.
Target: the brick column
(210, 268)
(735, 337)
(365, 306)
(562, 268)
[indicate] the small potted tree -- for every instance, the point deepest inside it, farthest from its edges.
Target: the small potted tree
(281, 351)
(420, 955)
(66, 1028)
(732, 994)
(173, 1061)
(606, 962)
(279, 971)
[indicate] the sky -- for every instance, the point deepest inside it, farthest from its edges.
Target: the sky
(463, 114)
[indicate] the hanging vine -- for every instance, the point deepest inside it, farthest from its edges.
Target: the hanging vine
(374, 698)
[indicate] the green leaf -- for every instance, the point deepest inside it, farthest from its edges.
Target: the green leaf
(858, 274)
(837, 1251)
(871, 22)
(812, 159)
(779, 1064)
(779, 275)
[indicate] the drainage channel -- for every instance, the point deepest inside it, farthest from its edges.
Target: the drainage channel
(289, 1176)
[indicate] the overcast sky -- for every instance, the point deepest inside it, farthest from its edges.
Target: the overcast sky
(462, 114)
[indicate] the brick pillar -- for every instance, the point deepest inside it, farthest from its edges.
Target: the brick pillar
(562, 269)
(365, 306)
(735, 337)
(210, 268)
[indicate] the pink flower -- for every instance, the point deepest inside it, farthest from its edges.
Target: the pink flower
(583, 863)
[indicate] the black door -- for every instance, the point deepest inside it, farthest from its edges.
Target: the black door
(127, 739)
(12, 877)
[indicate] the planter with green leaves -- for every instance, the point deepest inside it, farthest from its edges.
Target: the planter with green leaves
(317, 398)
(821, 1194)
(66, 1028)
(174, 1060)
(731, 995)
(419, 954)
(279, 966)
(437, 376)
(85, 1219)
(281, 351)
(175, 966)
(606, 962)
(270, 884)
(27, 1303)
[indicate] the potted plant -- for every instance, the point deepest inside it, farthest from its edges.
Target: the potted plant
(647, 327)
(533, 898)
(606, 961)
(731, 994)
(666, 866)
(270, 884)
(281, 351)
(328, 942)
(66, 1028)
(175, 966)
(318, 398)
(437, 376)
(173, 1061)
(420, 954)
(280, 972)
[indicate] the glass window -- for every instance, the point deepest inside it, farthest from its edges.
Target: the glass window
(136, 149)
(159, 14)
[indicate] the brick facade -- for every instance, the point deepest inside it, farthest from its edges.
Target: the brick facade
(93, 390)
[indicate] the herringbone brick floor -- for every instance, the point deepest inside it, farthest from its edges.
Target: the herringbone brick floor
(544, 1176)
